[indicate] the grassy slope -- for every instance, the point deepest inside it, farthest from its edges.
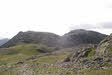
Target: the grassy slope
(96, 72)
(40, 66)
(10, 56)
(20, 52)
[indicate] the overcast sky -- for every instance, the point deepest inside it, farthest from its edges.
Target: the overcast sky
(57, 16)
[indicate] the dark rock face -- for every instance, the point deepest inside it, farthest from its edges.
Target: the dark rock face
(81, 60)
(77, 37)
(46, 38)
(76, 56)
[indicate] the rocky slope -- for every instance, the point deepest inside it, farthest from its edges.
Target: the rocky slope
(105, 47)
(46, 38)
(73, 38)
(80, 36)
(97, 57)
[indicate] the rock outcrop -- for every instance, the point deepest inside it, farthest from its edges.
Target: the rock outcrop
(98, 57)
(105, 47)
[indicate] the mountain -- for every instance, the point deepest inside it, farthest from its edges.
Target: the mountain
(29, 37)
(71, 39)
(3, 41)
(32, 53)
(80, 36)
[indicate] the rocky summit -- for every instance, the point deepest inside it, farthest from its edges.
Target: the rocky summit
(80, 36)
(33, 37)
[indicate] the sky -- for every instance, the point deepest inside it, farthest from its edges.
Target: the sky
(56, 16)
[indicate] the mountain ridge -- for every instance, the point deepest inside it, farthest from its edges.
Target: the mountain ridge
(32, 37)
(81, 36)
(74, 37)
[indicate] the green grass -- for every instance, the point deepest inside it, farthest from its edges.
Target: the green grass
(43, 65)
(38, 69)
(30, 49)
(110, 51)
(109, 64)
(96, 72)
(27, 49)
(10, 56)
(7, 51)
(58, 57)
(7, 73)
(20, 52)
(92, 52)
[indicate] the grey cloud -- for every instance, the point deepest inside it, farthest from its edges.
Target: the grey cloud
(83, 26)
(106, 25)
(103, 25)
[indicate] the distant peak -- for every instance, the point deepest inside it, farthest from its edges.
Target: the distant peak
(79, 30)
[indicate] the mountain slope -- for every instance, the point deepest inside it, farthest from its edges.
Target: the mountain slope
(80, 36)
(73, 38)
(28, 37)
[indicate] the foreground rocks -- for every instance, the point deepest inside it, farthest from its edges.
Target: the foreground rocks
(98, 57)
